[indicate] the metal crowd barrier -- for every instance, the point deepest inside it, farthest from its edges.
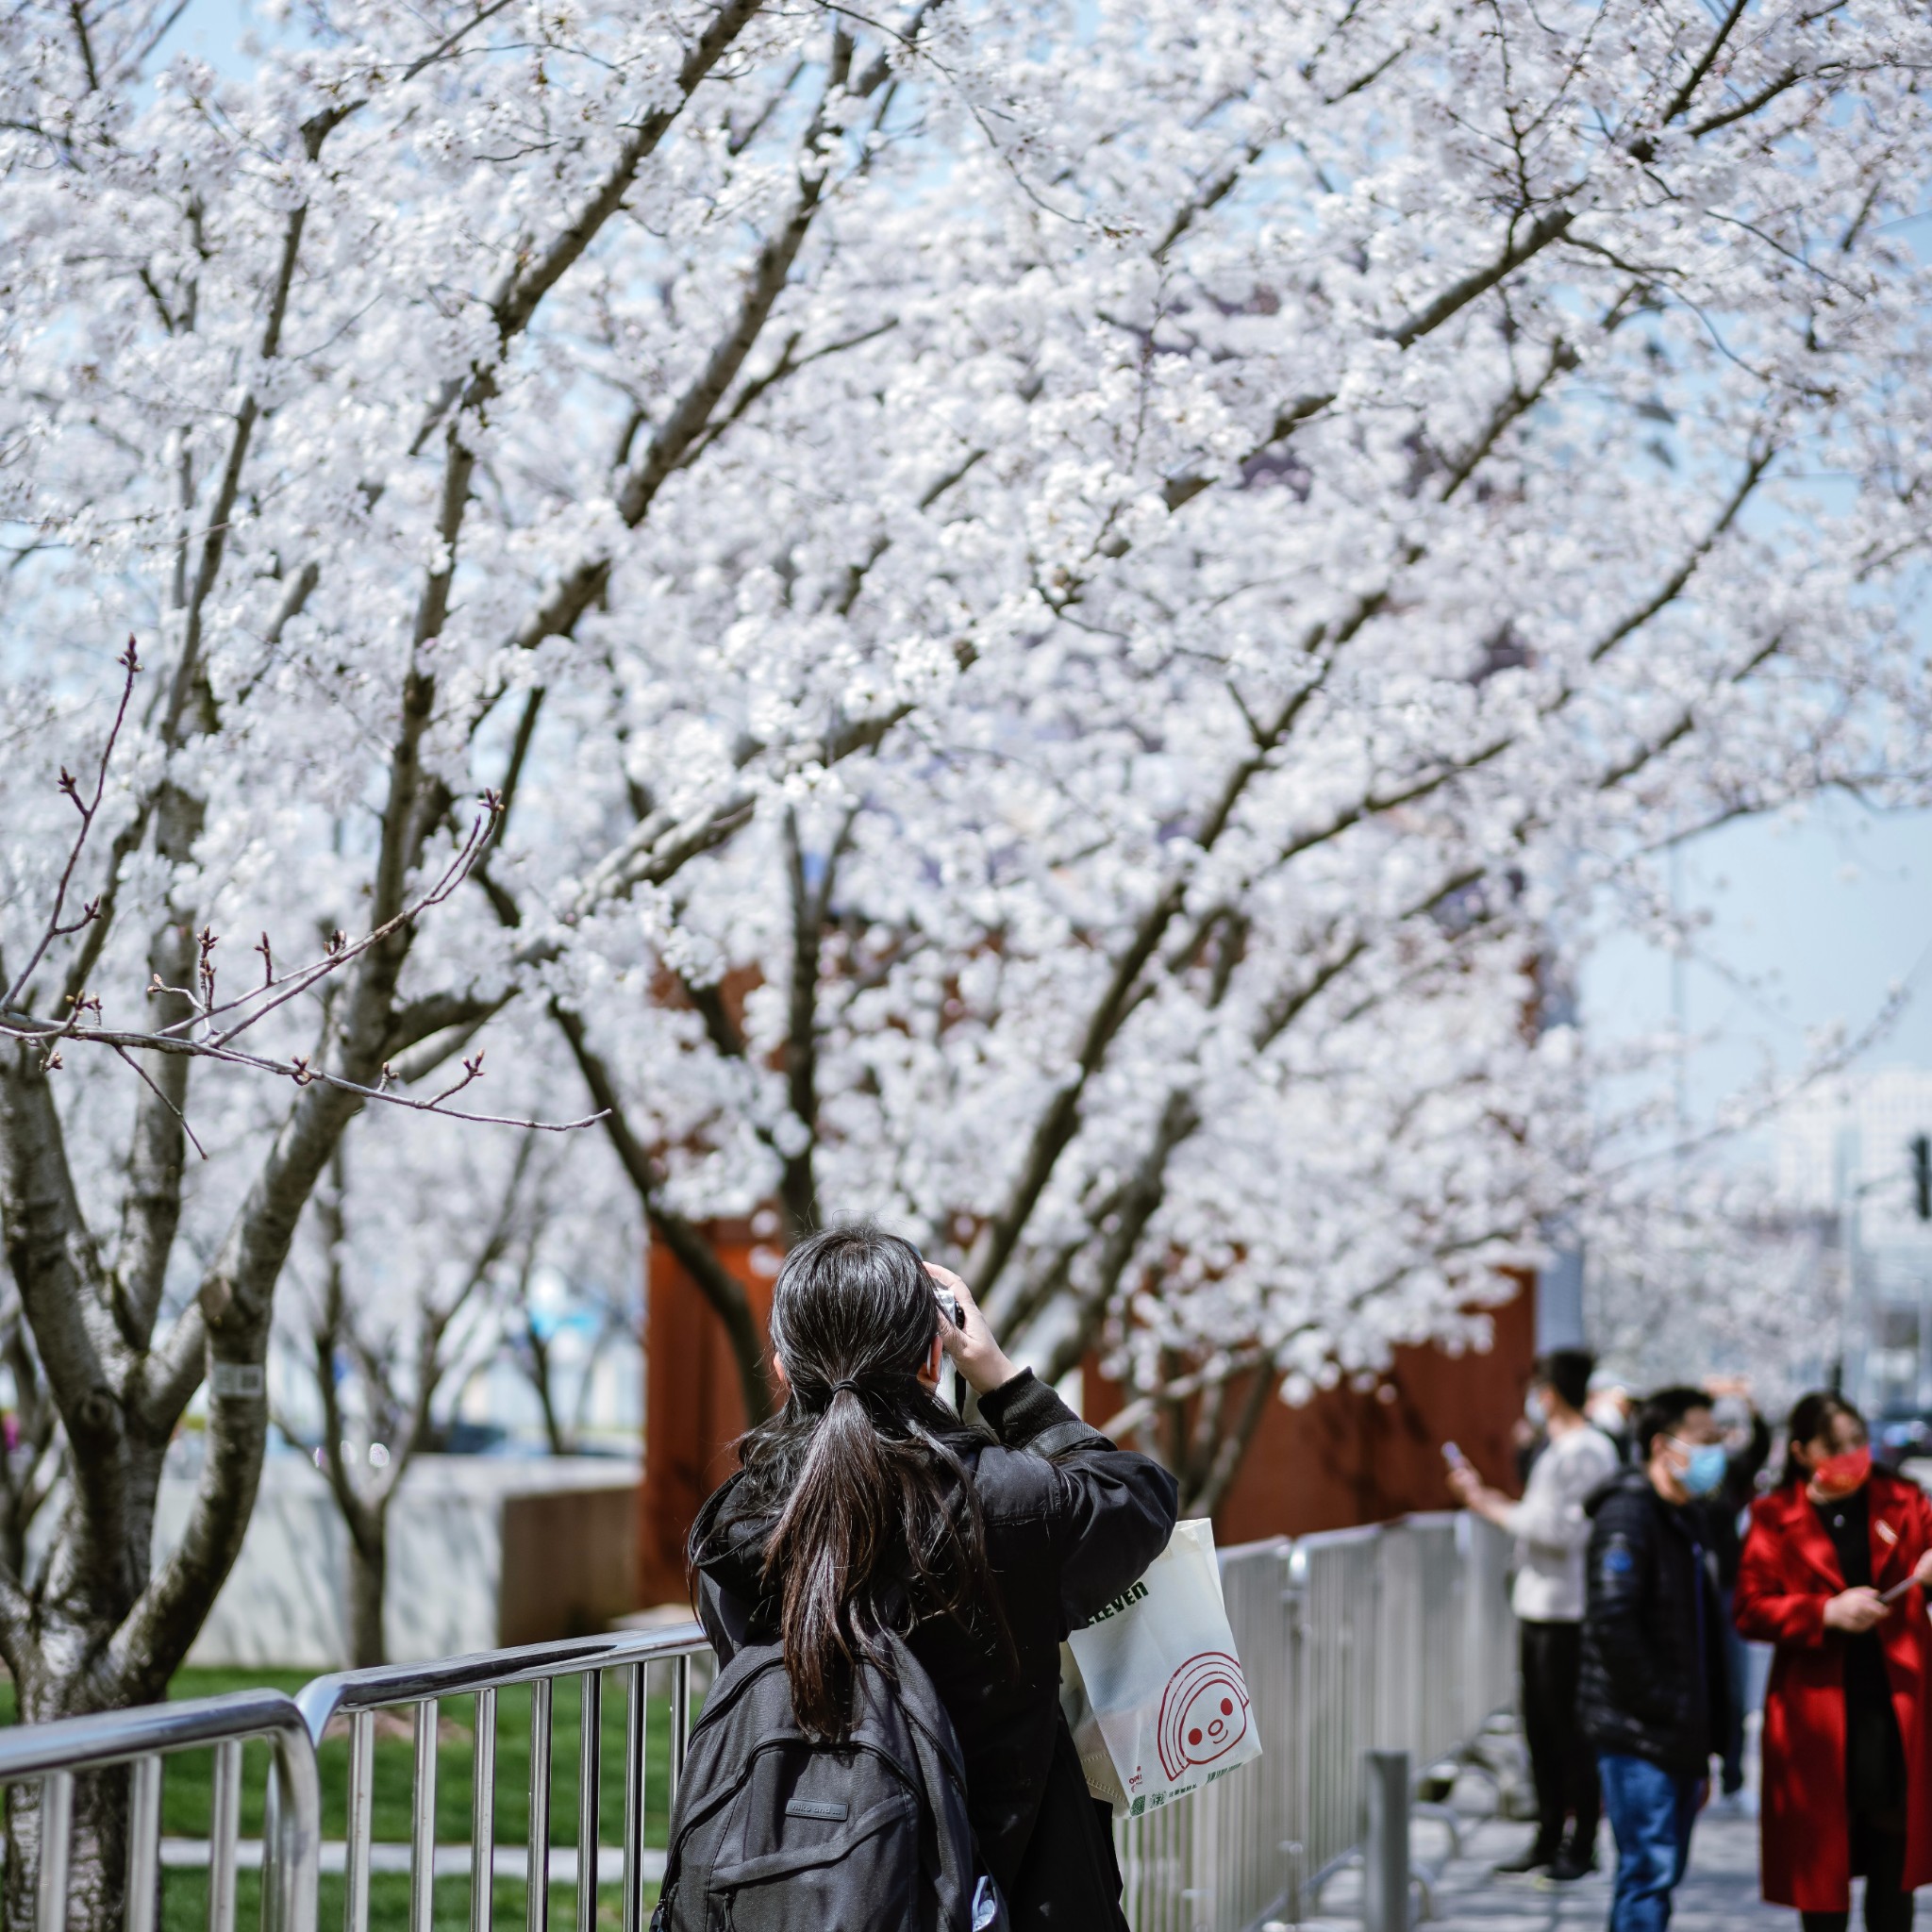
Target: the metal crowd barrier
(1391, 1638)
(55, 1753)
(361, 1694)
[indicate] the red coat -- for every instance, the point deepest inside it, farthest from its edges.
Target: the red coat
(1787, 1571)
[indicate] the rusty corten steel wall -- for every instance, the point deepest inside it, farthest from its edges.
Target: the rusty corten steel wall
(693, 1410)
(568, 1563)
(1350, 1458)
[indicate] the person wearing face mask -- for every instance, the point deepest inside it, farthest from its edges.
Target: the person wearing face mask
(1847, 1770)
(1653, 1688)
(1547, 1596)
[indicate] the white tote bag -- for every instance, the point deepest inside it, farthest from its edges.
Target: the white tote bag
(1155, 1693)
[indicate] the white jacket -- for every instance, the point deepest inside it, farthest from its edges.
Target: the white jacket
(1551, 1529)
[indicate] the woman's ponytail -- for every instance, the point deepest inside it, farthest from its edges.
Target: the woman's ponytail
(823, 1556)
(877, 1523)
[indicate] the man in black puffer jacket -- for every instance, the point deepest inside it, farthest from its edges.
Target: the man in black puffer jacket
(1653, 1691)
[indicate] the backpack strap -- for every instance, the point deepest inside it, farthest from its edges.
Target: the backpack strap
(968, 1895)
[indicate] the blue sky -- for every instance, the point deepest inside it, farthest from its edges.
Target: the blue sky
(1810, 922)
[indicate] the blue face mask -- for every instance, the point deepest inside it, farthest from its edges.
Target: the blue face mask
(1704, 1472)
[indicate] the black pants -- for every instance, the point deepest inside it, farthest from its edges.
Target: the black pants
(1562, 1766)
(1887, 1908)
(1068, 1874)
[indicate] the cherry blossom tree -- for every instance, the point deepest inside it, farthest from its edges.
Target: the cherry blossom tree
(262, 334)
(1357, 487)
(1033, 618)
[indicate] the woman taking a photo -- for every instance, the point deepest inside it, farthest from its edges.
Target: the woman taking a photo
(1833, 1573)
(867, 1506)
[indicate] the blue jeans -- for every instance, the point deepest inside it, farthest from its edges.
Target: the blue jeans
(1651, 1814)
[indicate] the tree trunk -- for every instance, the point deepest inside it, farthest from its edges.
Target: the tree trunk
(368, 1578)
(97, 1853)
(541, 1372)
(58, 1685)
(553, 1430)
(1216, 1477)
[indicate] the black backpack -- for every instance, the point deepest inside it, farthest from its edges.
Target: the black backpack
(773, 1831)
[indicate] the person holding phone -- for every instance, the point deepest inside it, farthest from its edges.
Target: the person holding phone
(1833, 1572)
(1547, 1596)
(866, 1504)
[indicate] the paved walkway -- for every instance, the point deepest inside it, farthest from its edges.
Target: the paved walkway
(1719, 1893)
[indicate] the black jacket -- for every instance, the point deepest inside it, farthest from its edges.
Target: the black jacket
(1071, 1522)
(1653, 1681)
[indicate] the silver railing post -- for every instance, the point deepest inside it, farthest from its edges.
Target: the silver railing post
(681, 1720)
(590, 1769)
(423, 1821)
(144, 1844)
(1294, 1847)
(225, 1828)
(1384, 1858)
(635, 1725)
(483, 1814)
(361, 1781)
(56, 1842)
(537, 1915)
(292, 1833)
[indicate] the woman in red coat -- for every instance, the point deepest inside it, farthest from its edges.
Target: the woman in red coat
(1847, 1774)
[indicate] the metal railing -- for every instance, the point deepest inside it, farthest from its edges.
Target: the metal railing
(359, 1694)
(1396, 1636)
(1391, 1638)
(55, 1754)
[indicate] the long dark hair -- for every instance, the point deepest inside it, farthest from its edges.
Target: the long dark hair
(878, 1526)
(1811, 1418)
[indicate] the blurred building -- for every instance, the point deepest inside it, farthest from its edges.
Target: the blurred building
(1846, 1153)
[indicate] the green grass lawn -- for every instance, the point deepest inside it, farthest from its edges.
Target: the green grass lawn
(184, 1903)
(187, 1794)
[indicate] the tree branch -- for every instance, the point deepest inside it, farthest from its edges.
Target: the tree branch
(1547, 228)
(88, 809)
(810, 909)
(1673, 586)
(1060, 1120)
(1694, 79)
(1518, 403)
(1233, 1446)
(726, 1296)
